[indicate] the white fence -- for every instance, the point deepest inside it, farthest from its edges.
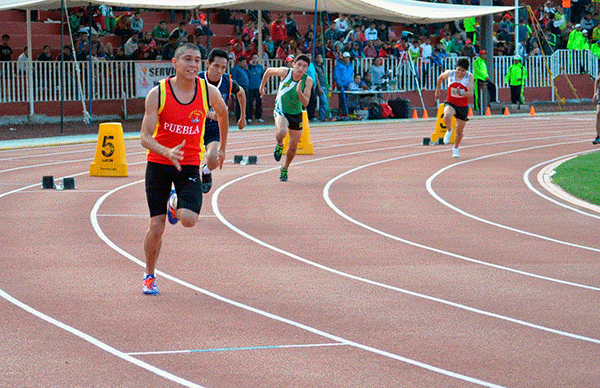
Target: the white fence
(116, 80)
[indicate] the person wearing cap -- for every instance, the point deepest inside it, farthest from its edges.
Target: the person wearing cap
(460, 88)
(343, 75)
(292, 96)
(482, 81)
(576, 39)
(515, 78)
(289, 60)
(597, 101)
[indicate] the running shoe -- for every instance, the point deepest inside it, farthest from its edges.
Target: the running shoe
(277, 153)
(283, 174)
(171, 208)
(206, 181)
(149, 283)
(260, 120)
(596, 140)
(455, 153)
(447, 137)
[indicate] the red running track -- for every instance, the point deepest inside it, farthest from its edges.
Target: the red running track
(380, 263)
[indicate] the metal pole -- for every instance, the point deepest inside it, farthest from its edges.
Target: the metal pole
(516, 24)
(260, 37)
(62, 65)
(90, 85)
(314, 42)
(29, 65)
(486, 43)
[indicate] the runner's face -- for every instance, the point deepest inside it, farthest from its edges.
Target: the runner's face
(460, 71)
(188, 64)
(300, 67)
(216, 69)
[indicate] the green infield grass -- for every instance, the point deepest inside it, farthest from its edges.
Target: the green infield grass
(580, 176)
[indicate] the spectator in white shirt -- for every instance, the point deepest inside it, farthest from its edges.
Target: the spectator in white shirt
(371, 32)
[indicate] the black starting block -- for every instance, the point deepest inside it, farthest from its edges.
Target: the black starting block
(237, 159)
(68, 183)
(48, 182)
(252, 159)
(426, 140)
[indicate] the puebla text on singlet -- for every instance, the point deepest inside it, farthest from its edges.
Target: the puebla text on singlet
(178, 122)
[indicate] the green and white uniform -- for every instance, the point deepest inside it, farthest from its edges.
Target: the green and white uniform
(287, 102)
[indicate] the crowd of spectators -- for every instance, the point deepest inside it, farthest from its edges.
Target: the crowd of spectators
(572, 25)
(344, 38)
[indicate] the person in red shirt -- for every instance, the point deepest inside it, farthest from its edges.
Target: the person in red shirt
(172, 132)
(278, 30)
(460, 88)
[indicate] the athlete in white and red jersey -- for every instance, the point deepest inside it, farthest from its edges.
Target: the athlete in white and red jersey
(172, 131)
(460, 88)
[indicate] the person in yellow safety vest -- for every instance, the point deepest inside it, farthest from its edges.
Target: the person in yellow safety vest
(515, 78)
(471, 28)
(481, 76)
(595, 49)
(595, 99)
(576, 39)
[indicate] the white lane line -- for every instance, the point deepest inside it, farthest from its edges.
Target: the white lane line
(432, 192)
(236, 349)
(100, 233)
(544, 178)
(88, 338)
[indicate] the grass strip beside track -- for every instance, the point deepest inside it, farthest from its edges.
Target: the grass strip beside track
(580, 177)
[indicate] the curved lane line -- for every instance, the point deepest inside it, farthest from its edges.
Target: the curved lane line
(545, 180)
(100, 233)
(496, 224)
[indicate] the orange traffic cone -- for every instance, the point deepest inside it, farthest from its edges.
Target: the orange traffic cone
(470, 112)
(415, 115)
(506, 112)
(531, 111)
(425, 114)
(488, 112)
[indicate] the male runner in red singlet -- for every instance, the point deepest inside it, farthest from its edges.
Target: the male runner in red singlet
(460, 88)
(172, 131)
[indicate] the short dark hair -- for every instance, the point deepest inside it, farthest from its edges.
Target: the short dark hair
(302, 57)
(217, 53)
(463, 62)
(184, 47)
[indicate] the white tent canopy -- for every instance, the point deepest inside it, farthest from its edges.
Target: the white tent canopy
(399, 11)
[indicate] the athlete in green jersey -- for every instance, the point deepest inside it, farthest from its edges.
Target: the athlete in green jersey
(292, 96)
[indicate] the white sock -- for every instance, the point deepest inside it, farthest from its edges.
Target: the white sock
(205, 169)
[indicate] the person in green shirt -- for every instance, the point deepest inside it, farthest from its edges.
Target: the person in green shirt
(161, 33)
(482, 80)
(292, 96)
(515, 78)
(471, 28)
(595, 99)
(576, 39)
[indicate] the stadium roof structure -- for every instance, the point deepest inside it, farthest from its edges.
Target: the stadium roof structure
(398, 11)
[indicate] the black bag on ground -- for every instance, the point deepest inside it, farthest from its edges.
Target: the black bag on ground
(375, 112)
(401, 108)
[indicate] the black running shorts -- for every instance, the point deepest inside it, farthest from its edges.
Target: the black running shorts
(187, 182)
(211, 132)
(461, 111)
(295, 121)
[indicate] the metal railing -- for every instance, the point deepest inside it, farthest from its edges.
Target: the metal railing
(116, 80)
